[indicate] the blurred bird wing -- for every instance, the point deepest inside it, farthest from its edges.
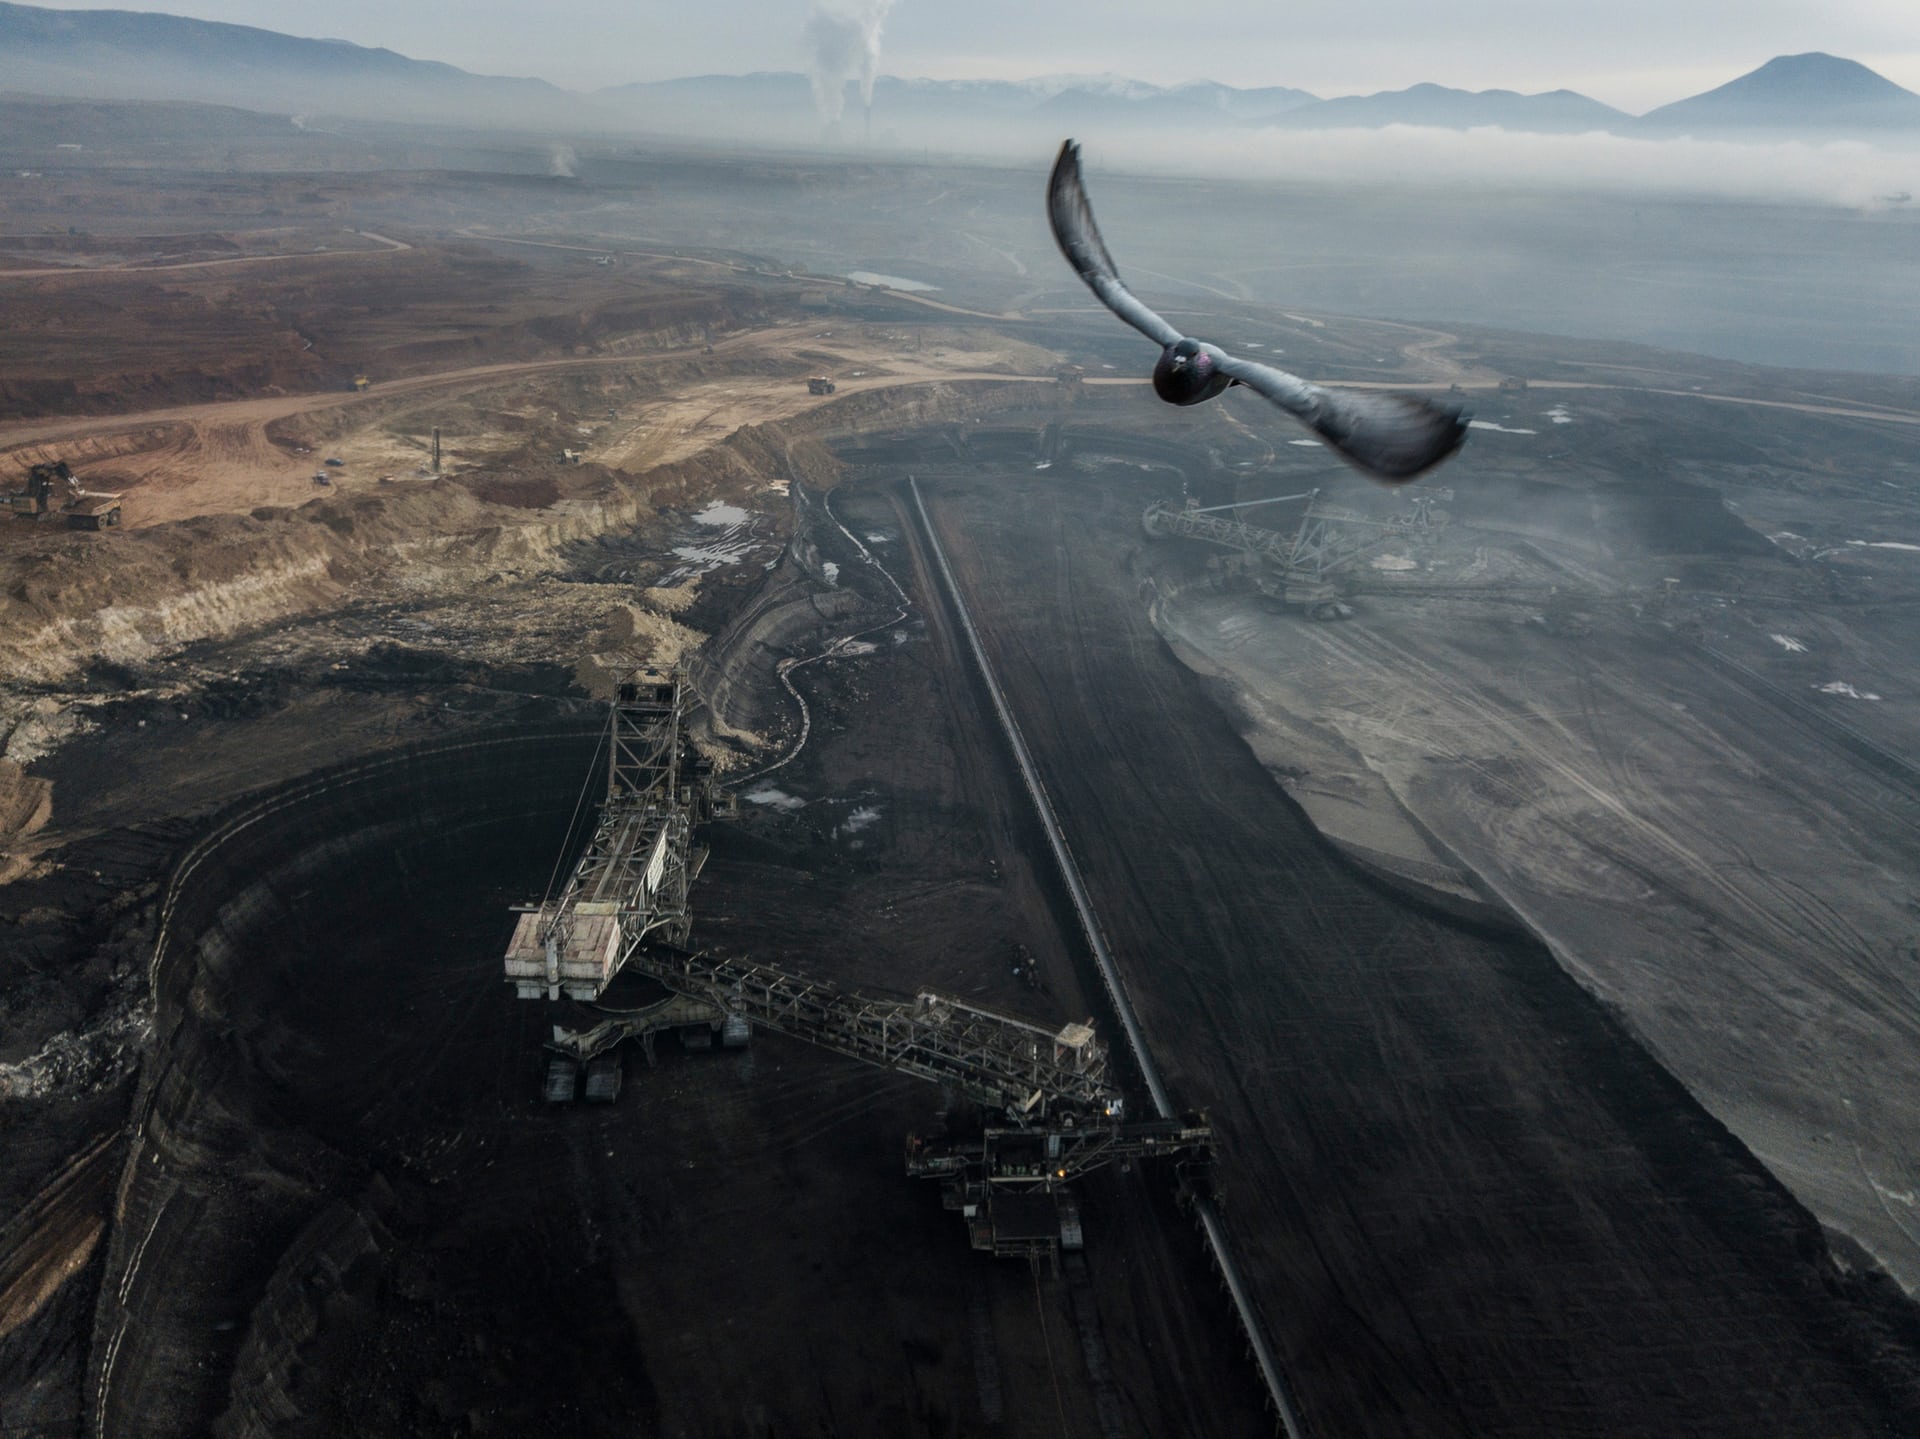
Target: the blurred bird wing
(1391, 436)
(1079, 240)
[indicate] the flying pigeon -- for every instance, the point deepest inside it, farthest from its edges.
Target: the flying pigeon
(1391, 437)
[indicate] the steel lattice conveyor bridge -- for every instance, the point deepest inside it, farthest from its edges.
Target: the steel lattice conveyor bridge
(1059, 1113)
(995, 1060)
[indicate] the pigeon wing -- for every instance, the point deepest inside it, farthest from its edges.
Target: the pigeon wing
(1079, 240)
(1392, 437)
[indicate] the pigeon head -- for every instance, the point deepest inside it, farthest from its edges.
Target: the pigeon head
(1186, 374)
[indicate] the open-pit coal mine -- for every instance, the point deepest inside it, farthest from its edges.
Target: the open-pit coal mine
(633, 837)
(1462, 1196)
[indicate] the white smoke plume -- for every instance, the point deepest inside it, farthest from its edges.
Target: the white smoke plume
(560, 161)
(843, 46)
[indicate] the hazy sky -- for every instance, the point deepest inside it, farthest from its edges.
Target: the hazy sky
(1631, 53)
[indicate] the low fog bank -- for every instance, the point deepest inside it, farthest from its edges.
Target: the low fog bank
(1851, 173)
(1826, 168)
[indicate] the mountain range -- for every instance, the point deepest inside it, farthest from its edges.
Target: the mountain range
(132, 55)
(1813, 95)
(102, 55)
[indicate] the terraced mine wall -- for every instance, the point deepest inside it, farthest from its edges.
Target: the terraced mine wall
(287, 1086)
(68, 600)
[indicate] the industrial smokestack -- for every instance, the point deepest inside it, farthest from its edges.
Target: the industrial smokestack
(843, 47)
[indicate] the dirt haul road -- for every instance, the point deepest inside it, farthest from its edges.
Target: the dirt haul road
(1469, 1202)
(222, 458)
(132, 269)
(189, 460)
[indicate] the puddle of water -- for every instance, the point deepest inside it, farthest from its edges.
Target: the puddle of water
(735, 544)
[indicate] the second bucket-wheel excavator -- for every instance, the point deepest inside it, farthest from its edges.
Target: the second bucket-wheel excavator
(1303, 564)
